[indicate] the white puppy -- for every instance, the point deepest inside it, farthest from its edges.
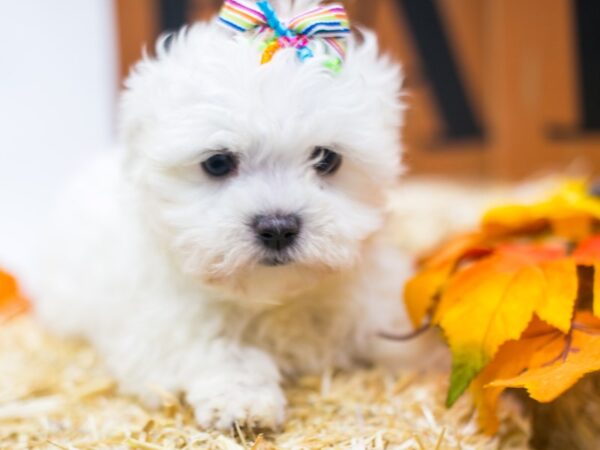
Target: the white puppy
(237, 238)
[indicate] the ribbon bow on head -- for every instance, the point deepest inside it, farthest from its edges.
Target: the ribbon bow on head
(326, 26)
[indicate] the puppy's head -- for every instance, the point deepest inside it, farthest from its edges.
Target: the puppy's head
(250, 169)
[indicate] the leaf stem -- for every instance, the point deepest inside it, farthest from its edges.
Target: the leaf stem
(407, 336)
(585, 329)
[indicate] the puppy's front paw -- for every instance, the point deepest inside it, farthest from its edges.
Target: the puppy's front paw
(219, 405)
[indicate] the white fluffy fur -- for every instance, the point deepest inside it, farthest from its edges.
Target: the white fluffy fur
(155, 263)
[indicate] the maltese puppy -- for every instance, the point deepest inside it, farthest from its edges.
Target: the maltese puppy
(236, 240)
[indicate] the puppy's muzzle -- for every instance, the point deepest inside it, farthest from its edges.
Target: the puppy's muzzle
(277, 231)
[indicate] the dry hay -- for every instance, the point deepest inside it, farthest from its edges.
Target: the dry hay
(55, 394)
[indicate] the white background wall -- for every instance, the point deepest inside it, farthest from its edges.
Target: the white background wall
(58, 83)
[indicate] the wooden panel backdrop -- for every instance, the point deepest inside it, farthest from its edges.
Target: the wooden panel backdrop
(517, 62)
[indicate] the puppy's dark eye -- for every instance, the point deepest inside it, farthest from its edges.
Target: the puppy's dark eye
(327, 162)
(220, 165)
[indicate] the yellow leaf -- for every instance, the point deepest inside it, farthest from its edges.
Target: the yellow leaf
(513, 218)
(422, 290)
(555, 305)
(574, 194)
(568, 213)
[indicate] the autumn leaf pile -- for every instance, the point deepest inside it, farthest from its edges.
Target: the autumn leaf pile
(518, 300)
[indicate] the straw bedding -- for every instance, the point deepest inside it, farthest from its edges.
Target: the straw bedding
(55, 394)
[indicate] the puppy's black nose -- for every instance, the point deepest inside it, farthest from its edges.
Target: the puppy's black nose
(277, 231)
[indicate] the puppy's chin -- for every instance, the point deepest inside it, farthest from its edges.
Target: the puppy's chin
(270, 282)
(276, 260)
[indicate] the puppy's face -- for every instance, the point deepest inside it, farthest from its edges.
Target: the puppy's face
(247, 169)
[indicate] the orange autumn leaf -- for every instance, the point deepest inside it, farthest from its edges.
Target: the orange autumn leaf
(455, 249)
(12, 302)
(512, 358)
(493, 301)
(555, 371)
(422, 291)
(588, 251)
(543, 360)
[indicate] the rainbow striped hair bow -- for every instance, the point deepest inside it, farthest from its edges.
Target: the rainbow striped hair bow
(325, 26)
